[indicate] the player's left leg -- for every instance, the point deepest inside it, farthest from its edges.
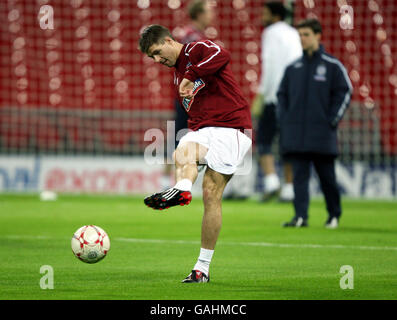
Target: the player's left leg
(186, 156)
(214, 184)
(267, 130)
(180, 124)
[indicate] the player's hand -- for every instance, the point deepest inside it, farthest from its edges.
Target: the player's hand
(257, 106)
(186, 89)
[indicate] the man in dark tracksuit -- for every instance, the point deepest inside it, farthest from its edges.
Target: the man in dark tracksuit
(312, 98)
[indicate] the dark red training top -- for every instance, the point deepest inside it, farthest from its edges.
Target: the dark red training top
(218, 101)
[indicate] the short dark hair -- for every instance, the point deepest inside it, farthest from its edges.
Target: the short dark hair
(152, 34)
(277, 9)
(195, 8)
(313, 24)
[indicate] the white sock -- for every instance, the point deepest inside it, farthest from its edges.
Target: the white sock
(272, 182)
(184, 184)
(287, 191)
(204, 260)
(289, 187)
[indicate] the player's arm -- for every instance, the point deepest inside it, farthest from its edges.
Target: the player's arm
(341, 91)
(257, 105)
(206, 58)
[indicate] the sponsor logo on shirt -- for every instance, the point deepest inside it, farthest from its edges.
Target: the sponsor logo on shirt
(198, 85)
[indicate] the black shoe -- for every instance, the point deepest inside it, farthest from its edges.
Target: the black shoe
(196, 276)
(297, 222)
(168, 198)
(332, 223)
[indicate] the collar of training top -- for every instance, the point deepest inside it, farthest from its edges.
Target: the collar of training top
(316, 53)
(180, 57)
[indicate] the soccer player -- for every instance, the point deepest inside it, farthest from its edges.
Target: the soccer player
(280, 46)
(218, 116)
(313, 96)
(201, 15)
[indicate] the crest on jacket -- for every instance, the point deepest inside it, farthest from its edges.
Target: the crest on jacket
(321, 73)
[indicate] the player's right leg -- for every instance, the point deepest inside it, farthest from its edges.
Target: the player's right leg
(187, 156)
(214, 184)
(227, 152)
(287, 190)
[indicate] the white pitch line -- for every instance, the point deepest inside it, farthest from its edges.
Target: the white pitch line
(158, 241)
(261, 244)
(25, 237)
(229, 243)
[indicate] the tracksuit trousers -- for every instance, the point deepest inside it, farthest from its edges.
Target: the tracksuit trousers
(325, 168)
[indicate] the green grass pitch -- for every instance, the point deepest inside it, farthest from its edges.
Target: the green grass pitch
(152, 251)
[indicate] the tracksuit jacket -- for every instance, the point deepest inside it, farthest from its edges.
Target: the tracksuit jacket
(312, 98)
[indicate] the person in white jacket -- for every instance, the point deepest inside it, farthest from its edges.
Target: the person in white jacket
(280, 47)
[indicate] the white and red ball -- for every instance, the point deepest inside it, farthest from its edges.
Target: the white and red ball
(90, 244)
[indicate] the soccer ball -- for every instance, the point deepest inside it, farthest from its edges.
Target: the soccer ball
(90, 244)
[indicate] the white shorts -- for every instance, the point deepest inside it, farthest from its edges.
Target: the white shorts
(227, 147)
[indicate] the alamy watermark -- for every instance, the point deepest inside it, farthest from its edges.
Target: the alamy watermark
(46, 17)
(346, 20)
(47, 280)
(347, 280)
